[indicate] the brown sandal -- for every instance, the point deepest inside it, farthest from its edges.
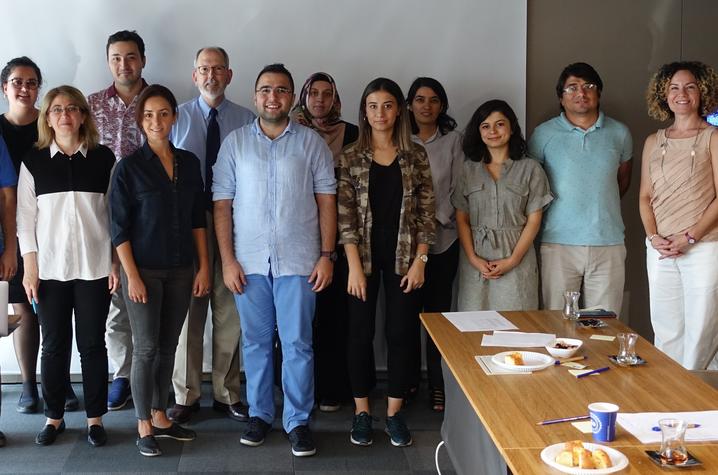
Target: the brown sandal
(436, 399)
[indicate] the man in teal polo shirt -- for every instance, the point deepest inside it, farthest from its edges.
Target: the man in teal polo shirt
(587, 157)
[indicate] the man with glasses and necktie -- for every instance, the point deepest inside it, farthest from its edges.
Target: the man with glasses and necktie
(587, 157)
(275, 217)
(202, 124)
(113, 110)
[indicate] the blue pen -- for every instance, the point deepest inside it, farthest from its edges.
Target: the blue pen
(595, 371)
(34, 305)
(688, 426)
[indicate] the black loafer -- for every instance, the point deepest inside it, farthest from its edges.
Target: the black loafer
(49, 433)
(96, 435)
(29, 402)
(182, 414)
(236, 411)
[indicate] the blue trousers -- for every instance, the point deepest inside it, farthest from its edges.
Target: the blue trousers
(286, 303)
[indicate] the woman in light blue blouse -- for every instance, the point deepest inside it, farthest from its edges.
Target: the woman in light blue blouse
(433, 128)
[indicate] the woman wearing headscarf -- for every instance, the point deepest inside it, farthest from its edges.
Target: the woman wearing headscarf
(319, 108)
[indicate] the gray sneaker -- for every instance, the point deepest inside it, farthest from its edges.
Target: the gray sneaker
(362, 431)
(397, 430)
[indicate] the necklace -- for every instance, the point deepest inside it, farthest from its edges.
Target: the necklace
(664, 146)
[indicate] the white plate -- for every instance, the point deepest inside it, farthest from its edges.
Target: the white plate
(618, 460)
(532, 361)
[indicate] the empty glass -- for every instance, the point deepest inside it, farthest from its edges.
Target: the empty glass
(570, 304)
(673, 450)
(627, 348)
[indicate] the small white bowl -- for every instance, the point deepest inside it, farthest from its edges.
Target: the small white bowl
(564, 353)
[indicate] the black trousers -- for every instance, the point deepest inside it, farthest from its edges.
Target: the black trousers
(436, 297)
(401, 324)
(330, 337)
(90, 300)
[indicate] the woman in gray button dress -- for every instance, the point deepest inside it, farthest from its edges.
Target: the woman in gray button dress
(499, 201)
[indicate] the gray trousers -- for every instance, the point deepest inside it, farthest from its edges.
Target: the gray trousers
(156, 326)
(119, 337)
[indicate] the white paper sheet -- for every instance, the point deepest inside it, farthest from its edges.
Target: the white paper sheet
(518, 339)
(481, 321)
(641, 424)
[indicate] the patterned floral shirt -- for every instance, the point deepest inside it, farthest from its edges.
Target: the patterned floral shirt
(115, 121)
(416, 219)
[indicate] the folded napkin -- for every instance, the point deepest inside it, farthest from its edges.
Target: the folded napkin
(641, 424)
(518, 339)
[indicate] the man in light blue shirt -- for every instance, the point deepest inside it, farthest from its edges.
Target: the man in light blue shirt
(197, 120)
(274, 197)
(587, 158)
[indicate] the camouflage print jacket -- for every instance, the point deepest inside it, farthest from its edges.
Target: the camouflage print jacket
(416, 219)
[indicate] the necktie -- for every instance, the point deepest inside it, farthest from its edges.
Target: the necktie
(211, 153)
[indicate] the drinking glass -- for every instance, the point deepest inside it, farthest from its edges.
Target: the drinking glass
(570, 304)
(673, 450)
(627, 348)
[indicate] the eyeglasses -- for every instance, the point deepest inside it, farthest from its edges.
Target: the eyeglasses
(18, 83)
(574, 88)
(71, 109)
(217, 70)
(280, 91)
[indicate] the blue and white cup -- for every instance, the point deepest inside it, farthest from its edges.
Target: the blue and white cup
(603, 421)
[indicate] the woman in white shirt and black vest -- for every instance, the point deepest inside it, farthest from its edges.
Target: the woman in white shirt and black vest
(63, 230)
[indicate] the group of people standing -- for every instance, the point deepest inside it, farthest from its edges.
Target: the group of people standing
(293, 218)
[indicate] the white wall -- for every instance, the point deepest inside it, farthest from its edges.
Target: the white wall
(476, 48)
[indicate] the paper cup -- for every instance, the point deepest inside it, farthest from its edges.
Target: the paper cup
(603, 420)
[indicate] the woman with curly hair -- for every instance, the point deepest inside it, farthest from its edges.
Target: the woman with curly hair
(499, 203)
(679, 210)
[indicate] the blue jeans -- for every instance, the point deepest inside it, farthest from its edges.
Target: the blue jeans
(286, 303)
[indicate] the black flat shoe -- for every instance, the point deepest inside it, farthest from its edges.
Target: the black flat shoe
(29, 402)
(148, 446)
(3, 440)
(176, 432)
(49, 433)
(96, 435)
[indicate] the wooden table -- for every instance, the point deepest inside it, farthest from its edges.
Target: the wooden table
(508, 406)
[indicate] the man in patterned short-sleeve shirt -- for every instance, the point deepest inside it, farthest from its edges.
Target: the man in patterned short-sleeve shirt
(114, 112)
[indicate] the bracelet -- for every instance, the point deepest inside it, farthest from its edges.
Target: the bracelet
(650, 238)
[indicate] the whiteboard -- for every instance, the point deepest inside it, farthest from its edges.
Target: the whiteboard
(475, 48)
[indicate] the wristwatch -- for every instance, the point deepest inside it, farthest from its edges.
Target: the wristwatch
(423, 258)
(691, 239)
(332, 255)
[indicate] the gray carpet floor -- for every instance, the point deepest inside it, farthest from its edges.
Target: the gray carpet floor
(217, 448)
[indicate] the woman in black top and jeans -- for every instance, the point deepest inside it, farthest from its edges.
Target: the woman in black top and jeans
(158, 227)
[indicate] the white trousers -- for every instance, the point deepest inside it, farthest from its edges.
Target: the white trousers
(684, 303)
